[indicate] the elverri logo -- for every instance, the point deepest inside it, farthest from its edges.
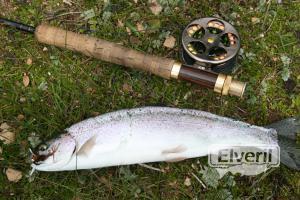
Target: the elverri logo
(254, 159)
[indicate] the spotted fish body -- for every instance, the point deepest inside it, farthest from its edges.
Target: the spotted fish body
(149, 134)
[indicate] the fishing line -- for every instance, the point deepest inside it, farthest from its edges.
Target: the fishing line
(75, 163)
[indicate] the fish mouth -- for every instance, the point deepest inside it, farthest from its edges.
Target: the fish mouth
(37, 158)
(39, 162)
(57, 154)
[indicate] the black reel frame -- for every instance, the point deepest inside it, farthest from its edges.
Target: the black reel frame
(210, 43)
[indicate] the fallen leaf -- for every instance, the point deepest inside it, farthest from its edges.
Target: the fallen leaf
(7, 137)
(4, 126)
(128, 31)
(95, 114)
(45, 49)
(90, 90)
(135, 40)
(173, 183)
(187, 182)
(68, 2)
(255, 20)
(21, 117)
(29, 61)
(127, 87)
(170, 42)
(120, 23)
(26, 80)
(13, 175)
(140, 27)
(155, 7)
(22, 99)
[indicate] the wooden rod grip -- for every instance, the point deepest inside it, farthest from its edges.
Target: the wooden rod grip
(104, 50)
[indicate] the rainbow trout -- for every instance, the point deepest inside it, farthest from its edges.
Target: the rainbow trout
(145, 135)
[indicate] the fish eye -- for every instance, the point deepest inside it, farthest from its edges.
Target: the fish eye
(43, 147)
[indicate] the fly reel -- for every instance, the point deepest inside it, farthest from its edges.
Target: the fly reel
(210, 43)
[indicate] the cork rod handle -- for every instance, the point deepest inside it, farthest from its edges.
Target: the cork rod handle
(118, 54)
(104, 50)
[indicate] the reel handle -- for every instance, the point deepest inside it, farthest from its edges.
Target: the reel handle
(118, 54)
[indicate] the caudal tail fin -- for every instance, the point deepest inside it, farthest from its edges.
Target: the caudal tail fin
(287, 130)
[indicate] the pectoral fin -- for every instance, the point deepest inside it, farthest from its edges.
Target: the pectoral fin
(87, 146)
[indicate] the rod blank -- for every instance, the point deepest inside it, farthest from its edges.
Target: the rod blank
(17, 25)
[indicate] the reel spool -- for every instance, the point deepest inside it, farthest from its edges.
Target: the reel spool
(210, 43)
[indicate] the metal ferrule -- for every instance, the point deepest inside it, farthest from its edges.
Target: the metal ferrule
(175, 70)
(226, 85)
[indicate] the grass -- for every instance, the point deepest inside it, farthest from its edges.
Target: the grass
(78, 87)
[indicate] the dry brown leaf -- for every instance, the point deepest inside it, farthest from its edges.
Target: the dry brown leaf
(127, 87)
(21, 117)
(7, 137)
(13, 175)
(155, 7)
(255, 20)
(140, 27)
(173, 184)
(170, 42)
(26, 80)
(95, 114)
(187, 182)
(135, 40)
(120, 23)
(4, 126)
(68, 2)
(29, 61)
(128, 31)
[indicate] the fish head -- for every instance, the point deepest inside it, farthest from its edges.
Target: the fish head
(55, 154)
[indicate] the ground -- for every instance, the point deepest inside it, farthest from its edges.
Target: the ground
(66, 87)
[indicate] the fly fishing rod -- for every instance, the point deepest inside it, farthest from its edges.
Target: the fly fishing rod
(196, 49)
